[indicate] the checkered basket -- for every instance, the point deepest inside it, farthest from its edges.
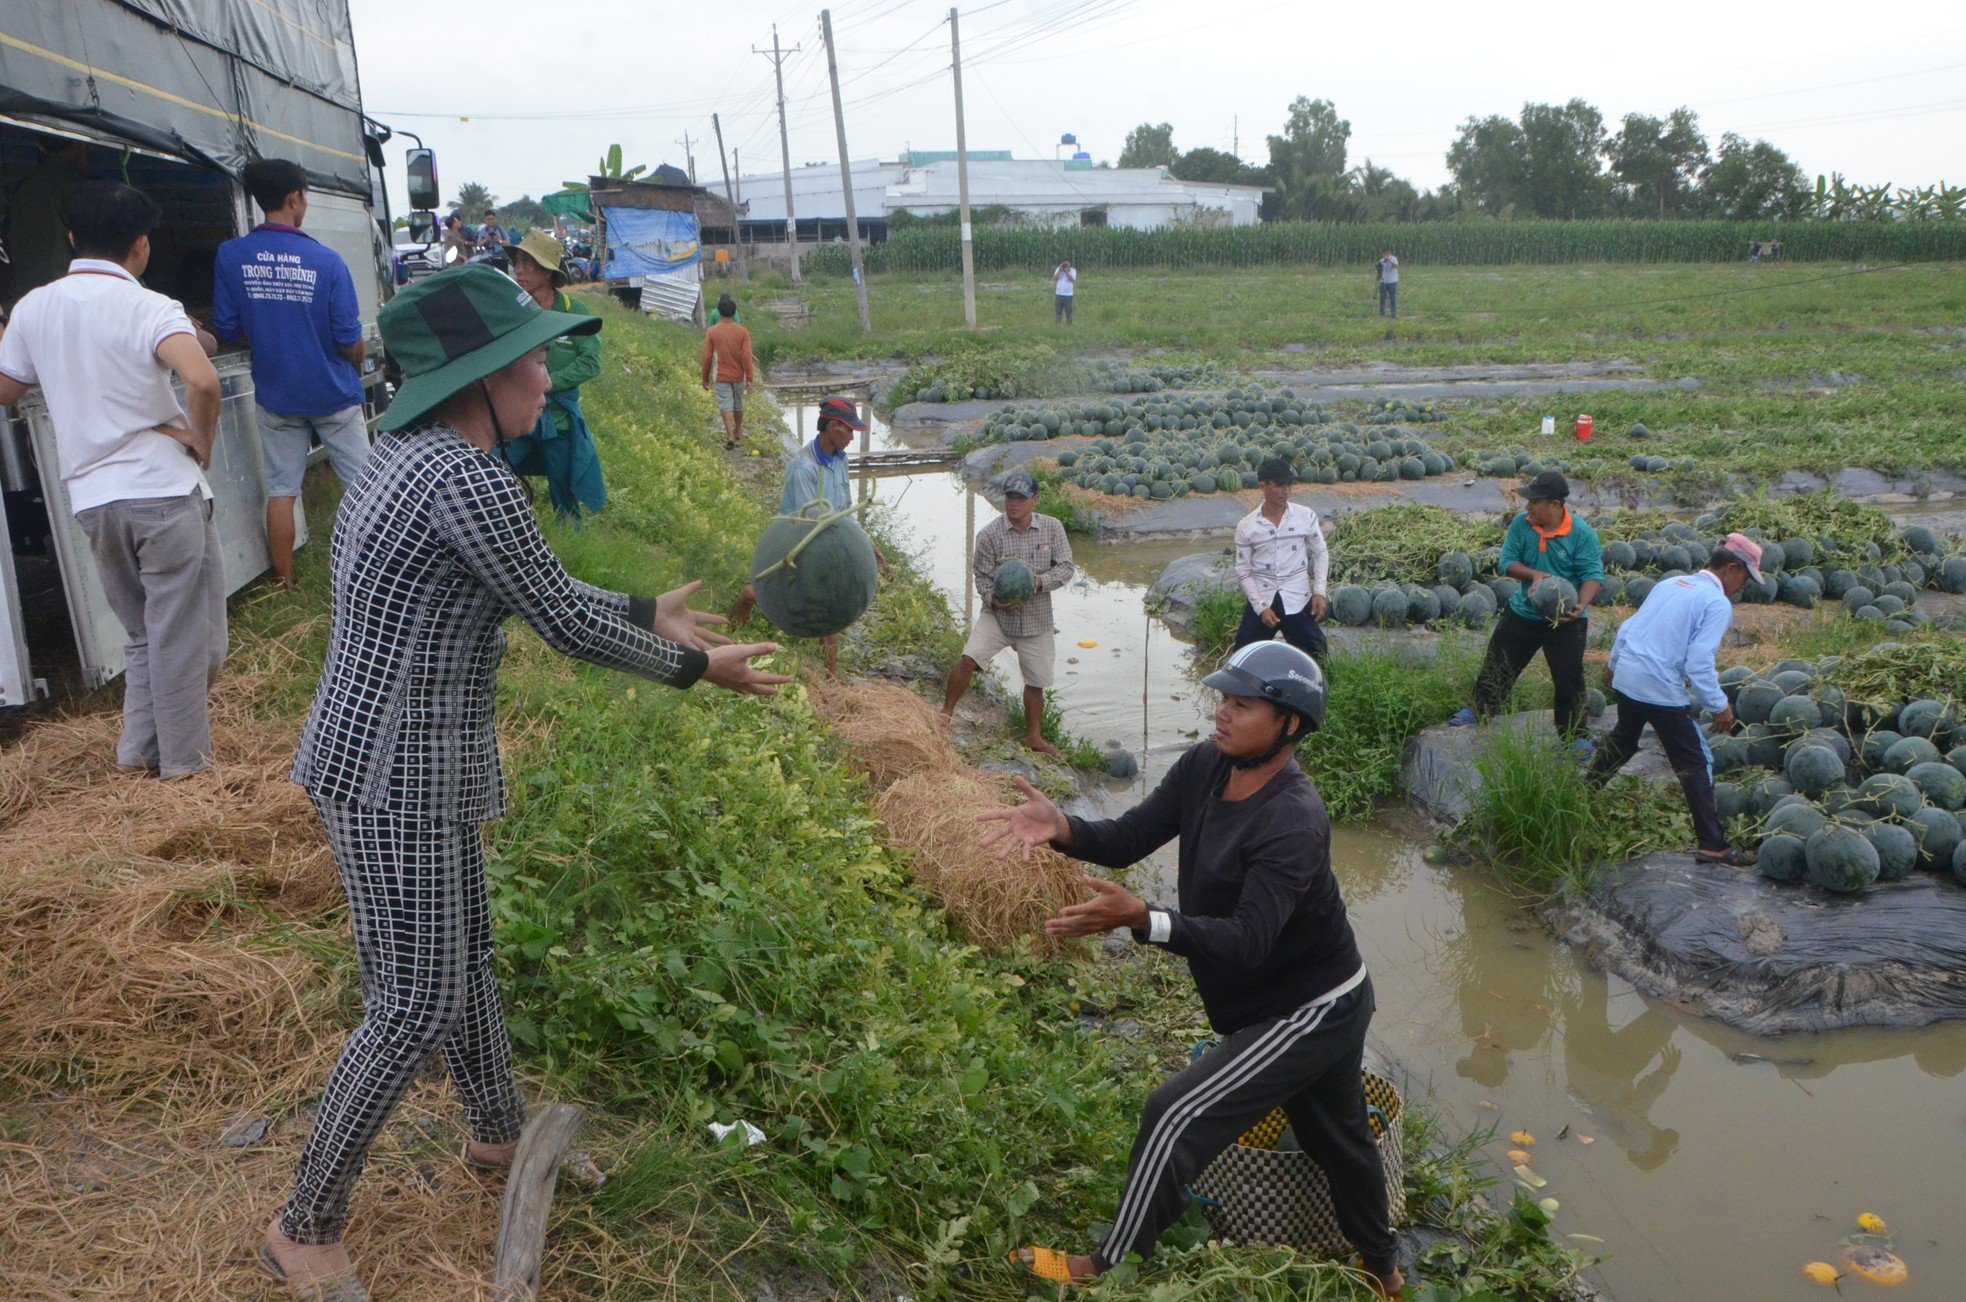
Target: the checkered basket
(1253, 1193)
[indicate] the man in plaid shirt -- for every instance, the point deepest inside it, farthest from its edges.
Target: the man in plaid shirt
(1039, 541)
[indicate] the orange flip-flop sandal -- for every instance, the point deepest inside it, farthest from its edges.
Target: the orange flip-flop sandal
(1048, 1264)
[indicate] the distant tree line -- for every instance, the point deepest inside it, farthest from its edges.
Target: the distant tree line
(1556, 161)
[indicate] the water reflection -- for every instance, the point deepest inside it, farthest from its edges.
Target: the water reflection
(1620, 1072)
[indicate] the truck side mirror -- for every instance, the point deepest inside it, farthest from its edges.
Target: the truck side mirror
(423, 178)
(423, 228)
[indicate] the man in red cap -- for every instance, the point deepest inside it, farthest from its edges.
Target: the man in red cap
(1667, 646)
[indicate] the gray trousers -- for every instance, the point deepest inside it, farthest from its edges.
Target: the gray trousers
(161, 571)
(1307, 1063)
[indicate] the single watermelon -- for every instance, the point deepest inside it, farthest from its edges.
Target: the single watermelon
(1766, 792)
(1938, 834)
(1781, 858)
(1797, 818)
(1923, 718)
(1757, 701)
(1907, 752)
(1890, 795)
(1942, 784)
(822, 573)
(1793, 715)
(1013, 583)
(1814, 769)
(1351, 605)
(1840, 859)
(1455, 568)
(1897, 850)
(1389, 607)
(1877, 745)
(1731, 799)
(1553, 598)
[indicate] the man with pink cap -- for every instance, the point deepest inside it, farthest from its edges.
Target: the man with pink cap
(1667, 646)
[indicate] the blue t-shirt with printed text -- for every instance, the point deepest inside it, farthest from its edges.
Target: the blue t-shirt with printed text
(1577, 556)
(291, 299)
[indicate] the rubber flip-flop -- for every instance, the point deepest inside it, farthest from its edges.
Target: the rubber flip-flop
(337, 1288)
(1048, 1264)
(1727, 858)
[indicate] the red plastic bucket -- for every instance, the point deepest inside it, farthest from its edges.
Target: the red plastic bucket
(1583, 429)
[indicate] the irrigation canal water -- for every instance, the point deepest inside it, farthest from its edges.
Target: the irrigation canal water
(1719, 1163)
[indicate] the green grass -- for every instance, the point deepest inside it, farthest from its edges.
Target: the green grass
(1078, 752)
(1759, 339)
(1379, 699)
(1545, 830)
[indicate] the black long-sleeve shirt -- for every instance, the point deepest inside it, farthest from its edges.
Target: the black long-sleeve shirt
(1261, 921)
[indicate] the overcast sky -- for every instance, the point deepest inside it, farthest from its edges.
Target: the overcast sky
(520, 95)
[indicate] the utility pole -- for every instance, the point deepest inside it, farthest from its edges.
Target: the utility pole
(785, 149)
(688, 157)
(730, 197)
(1235, 135)
(962, 180)
(846, 178)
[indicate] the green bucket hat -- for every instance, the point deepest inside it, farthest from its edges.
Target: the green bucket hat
(455, 328)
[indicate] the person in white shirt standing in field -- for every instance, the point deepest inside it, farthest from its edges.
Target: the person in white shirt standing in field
(1282, 566)
(1389, 285)
(1064, 285)
(103, 349)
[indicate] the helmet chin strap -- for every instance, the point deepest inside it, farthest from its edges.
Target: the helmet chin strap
(1285, 738)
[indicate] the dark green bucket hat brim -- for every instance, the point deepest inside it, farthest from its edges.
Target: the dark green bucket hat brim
(440, 315)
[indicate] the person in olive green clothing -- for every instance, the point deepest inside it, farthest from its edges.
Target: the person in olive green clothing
(560, 447)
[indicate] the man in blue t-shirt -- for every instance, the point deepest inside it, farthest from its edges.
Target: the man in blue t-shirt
(1545, 541)
(290, 299)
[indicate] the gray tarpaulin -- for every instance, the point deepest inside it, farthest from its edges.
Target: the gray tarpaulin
(1772, 957)
(224, 81)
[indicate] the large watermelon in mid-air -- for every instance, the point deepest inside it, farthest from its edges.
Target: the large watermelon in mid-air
(814, 576)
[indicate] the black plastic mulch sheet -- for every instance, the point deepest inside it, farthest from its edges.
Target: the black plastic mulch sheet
(1770, 957)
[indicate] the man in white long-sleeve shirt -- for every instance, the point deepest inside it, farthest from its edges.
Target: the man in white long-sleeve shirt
(1667, 645)
(1282, 566)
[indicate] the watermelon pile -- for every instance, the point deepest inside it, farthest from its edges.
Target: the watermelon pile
(1845, 791)
(1118, 377)
(1160, 448)
(1514, 463)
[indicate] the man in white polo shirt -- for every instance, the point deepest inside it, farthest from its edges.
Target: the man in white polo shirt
(102, 348)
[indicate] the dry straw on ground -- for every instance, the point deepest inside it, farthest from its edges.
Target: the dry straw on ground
(929, 801)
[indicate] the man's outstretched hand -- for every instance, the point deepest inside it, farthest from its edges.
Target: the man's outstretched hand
(1111, 905)
(1032, 825)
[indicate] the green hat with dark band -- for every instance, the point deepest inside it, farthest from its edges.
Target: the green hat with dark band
(455, 328)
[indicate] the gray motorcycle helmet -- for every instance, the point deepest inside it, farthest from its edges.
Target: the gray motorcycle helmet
(1280, 674)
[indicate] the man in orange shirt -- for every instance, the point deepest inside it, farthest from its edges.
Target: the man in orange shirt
(727, 347)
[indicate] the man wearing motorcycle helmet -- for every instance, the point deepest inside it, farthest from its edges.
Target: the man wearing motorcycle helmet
(1264, 930)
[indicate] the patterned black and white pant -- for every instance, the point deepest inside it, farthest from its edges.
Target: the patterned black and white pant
(1309, 1063)
(422, 920)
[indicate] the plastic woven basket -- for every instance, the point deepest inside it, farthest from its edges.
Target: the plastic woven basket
(1253, 1193)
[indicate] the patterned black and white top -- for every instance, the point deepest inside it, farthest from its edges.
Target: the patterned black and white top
(433, 549)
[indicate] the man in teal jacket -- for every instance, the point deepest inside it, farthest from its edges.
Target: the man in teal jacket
(1544, 540)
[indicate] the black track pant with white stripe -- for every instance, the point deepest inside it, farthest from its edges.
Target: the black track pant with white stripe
(422, 921)
(1308, 1063)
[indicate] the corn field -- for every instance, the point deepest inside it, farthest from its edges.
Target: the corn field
(1438, 244)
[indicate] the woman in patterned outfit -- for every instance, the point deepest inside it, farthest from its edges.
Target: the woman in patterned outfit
(433, 549)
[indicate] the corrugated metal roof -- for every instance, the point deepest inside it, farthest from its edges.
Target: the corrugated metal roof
(880, 188)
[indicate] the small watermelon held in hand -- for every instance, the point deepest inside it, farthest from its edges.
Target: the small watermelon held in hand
(1014, 583)
(814, 573)
(1553, 598)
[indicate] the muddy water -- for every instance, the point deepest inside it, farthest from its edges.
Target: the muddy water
(1719, 1163)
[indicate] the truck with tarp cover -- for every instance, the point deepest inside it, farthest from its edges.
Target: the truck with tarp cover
(174, 97)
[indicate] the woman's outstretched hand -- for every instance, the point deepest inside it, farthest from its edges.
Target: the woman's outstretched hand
(731, 668)
(1025, 827)
(676, 621)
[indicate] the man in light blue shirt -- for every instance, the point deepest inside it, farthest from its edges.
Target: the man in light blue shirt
(817, 472)
(1668, 644)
